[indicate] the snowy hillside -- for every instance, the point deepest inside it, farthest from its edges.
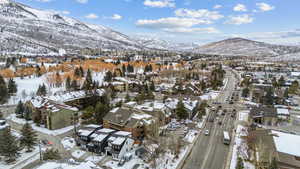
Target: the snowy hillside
(27, 30)
(156, 43)
(287, 57)
(245, 47)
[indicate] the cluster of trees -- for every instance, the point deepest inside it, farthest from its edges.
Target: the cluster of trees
(10, 146)
(181, 111)
(146, 92)
(217, 76)
(6, 90)
(23, 111)
(95, 114)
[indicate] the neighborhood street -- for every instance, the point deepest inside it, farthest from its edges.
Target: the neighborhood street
(209, 151)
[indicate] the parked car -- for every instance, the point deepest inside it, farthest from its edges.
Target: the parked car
(206, 132)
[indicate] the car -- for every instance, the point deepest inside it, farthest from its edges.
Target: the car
(206, 132)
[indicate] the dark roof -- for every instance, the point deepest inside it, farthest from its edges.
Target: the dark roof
(119, 116)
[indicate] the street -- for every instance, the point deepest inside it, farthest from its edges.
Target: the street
(209, 151)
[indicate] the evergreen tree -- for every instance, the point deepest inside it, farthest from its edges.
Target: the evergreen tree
(81, 71)
(88, 83)
(181, 112)
(273, 164)
(293, 89)
(286, 93)
(152, 86)
(127, 98)
(42, 91)
(29, 137)
(8, 146)
(58, 80)
(74, 85)
(100, 111)
(19, 109)
(245, 92)
(12, 86)
(3, 91)
(281, 81)
(123, 69)
(68, 83)
(108, 76)
(239, 164)
(269, 97)
(27, 113)
(51, 154)
(77, 73)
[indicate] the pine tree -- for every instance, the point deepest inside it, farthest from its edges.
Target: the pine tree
(245, 92)
(74, 85)
(152, 86)
(20, 109)
(273, 164)
(8, 145)
(269, 97)
(127, 98)
(27, 113)
(181, 112)
(286, 93)
(42, 91)
(100, 111)
(68, 83)
(81, 71)
(239, 164)
(77, 73)
(108, 76)
(281, 81)
(88, 81)
(29, 137)
(3, 91)
(51, 154)
(12, 86)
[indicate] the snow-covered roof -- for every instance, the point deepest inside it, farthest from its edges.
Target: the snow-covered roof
(295, 73)
(106, 130)
(141, 116)
(119, 141)
(123, 133)
(69, 96)
(85, 132)
(287, 143)
(282, 111)
(100, 137)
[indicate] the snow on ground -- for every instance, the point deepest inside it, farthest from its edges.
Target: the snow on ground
(168, 160)
(27, 88)
(250, 103)
(68, 143)
(13, 118)
(130, 164)
(98, 77)
(95, 158)
(210, 95)
(55, 165)
(190, 136)
(78, 153)
(240, 148)
(23, 160)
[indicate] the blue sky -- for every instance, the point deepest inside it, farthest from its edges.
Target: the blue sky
(201, 21)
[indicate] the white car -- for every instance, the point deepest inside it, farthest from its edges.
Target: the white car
(206, 132)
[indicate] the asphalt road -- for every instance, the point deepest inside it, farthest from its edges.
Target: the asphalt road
(209, 152)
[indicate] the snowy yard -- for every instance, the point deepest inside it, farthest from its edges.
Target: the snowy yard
(78, 153)
(55, 165)
(128, 165)
(23, 160)
(68, 143)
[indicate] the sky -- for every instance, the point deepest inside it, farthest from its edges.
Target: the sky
(197, 21)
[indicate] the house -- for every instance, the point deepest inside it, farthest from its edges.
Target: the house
(271, 144)
(137, 122)
(99, 140)
(83, 135)
(51, 114)
(263, 115)
(119, 144)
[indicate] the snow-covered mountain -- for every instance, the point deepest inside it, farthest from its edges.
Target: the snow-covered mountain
(156, 43)
(245, 47)
(27, 30)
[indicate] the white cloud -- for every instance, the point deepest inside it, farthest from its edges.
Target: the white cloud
(116, 17)
(82, 1)
(240, 8)
(160, 3)
(263, 7)
(218, 6)
(171, 22)
(201, 13)
(192, 30)
(91, 16)
(240, 19)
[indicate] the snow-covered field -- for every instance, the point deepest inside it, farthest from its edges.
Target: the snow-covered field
(78, 153)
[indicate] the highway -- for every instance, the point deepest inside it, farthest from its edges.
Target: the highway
(209, 152)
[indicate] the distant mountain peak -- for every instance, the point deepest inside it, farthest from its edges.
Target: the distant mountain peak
(245, 47)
